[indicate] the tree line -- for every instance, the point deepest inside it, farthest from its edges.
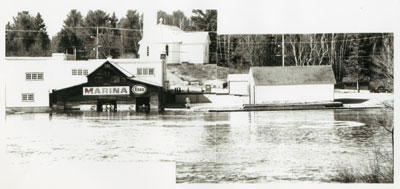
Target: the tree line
(27, 35)
(355, 57)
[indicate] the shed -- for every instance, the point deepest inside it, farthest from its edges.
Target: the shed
(291, 84)
(238, 84)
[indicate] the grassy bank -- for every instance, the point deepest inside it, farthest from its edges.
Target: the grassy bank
(380, 170)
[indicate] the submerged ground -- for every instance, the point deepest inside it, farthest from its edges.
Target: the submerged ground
(259, 147)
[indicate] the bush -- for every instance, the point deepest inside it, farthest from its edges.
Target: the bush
(380, 170)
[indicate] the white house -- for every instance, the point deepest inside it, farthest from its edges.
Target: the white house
(291, 84)
(30, 80)
(178, 45)
(238, 84)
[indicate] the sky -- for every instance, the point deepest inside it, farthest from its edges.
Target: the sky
(237, 16)
(240, 17)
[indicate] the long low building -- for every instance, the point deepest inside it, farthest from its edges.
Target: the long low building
(31, 81)
(291, 84)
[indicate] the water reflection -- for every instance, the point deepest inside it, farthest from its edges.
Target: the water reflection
(208, 147)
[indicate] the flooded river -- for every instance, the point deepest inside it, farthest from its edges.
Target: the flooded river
(274, 146)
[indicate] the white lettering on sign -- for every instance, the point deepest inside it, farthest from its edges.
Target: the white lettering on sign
(139, 89)
(112, 90)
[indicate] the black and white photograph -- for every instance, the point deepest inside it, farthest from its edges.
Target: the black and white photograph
(167, 94)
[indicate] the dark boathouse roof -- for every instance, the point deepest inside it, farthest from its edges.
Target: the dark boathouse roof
(292, 75)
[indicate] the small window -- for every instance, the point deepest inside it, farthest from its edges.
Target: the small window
(139, 71)
(28, 76)
(79, 72)
(28, 97)
(151, 71)
(166, 50)
(148, 51)
(145, 71)
(40, 76)
(34, 76)
(107, 73)
(24, 97)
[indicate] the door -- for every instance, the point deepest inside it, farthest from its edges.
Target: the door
(143, 104)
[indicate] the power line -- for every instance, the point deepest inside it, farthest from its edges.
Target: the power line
(37, 31)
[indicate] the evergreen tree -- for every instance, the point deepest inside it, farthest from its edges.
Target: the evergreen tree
(70, 38)
(130, 38)
(27, 36)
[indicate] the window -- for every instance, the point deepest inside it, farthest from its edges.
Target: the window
(34, 76)
(148, 51)
(28, 76)
(166, 50)
(28, 97)
(151, 71)
(139, 71)
(79, 72)
(145, 71)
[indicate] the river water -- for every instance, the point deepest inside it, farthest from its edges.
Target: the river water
(269, 146)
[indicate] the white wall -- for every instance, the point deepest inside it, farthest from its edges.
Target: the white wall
(57, 74)
(133, 66)
(174, 55)
(293, 93)
(193, 53)
(238, 88)
(156, 49)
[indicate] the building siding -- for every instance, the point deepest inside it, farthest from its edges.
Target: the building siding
(238, 88)
(293, 93)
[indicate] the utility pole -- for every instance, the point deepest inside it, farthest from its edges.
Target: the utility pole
(122, 43)
(283, 50)
(97, 42)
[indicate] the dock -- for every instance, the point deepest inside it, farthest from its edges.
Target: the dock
(286, 106)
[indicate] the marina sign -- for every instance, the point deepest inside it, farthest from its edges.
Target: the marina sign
(112, 90)
(139, 89)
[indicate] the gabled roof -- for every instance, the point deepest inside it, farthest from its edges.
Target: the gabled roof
(292, 75)
(128, 69)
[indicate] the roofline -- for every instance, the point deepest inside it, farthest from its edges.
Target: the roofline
(295, 84)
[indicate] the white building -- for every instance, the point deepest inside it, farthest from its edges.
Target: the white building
(291, 84)
(30, 80)
(238, 84)
(178, 45)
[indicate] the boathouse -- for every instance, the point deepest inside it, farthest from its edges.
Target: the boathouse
(115, 86)
(291, 84)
